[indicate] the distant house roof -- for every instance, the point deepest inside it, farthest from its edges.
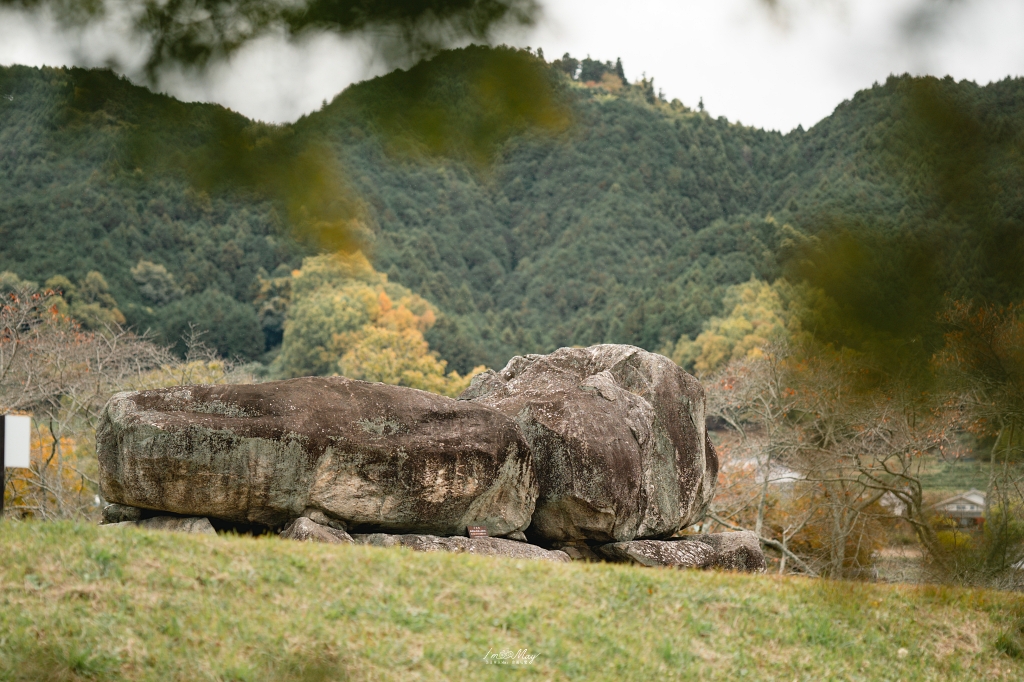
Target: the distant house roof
(970, 504)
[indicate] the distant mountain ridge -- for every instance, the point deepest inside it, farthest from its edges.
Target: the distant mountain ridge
(628, 228)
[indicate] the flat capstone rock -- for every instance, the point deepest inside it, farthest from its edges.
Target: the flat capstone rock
(370, 456)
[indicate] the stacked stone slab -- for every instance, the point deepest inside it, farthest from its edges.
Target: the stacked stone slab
(479, 546)
(579, 448)
(197, 525)
(737, 551)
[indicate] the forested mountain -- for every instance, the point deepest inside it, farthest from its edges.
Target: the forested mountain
(628, 226)
(72, 201)
(624, 229)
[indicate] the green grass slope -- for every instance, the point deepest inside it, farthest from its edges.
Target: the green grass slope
(80, 602)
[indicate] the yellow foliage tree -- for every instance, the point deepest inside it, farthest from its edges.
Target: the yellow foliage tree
(757, 312)
(61, 374)
(346, 318)
(89, 302)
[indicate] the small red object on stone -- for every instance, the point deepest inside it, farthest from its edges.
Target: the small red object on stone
(477, 531)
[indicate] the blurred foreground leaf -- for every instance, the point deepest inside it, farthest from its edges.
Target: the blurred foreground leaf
(883, 291)
(463, 103)
(196, 33)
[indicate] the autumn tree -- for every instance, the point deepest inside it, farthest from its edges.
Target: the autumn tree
(346, 318)
(752, 397)
(757, 314)
(825, 452)
(983, 365)
(61, 374)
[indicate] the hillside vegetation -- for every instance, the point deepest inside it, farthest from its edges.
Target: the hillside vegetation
(81, 602)
(627, 226)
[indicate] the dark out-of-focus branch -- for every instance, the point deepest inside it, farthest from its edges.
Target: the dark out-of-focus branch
(197, 33)
(884, 291)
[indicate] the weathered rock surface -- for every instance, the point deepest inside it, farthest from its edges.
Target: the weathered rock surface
(371, 456)
(736, 551)
(177, 524)
(306, 530)
(317, 516)
(739, 551)
(119, 513)
(482, 546)
(618, 441)
(578, 551)
(660, 553)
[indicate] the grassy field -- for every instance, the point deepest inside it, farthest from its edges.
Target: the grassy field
(79, 602)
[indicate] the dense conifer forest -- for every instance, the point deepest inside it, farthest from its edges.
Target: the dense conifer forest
(627, 225)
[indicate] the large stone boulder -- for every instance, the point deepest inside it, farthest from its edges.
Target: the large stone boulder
(482, 546)
(375, 457)
(618, 441)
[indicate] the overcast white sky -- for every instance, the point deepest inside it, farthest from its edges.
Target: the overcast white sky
(772, 72)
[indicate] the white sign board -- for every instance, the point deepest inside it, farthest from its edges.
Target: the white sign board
(17, 441)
